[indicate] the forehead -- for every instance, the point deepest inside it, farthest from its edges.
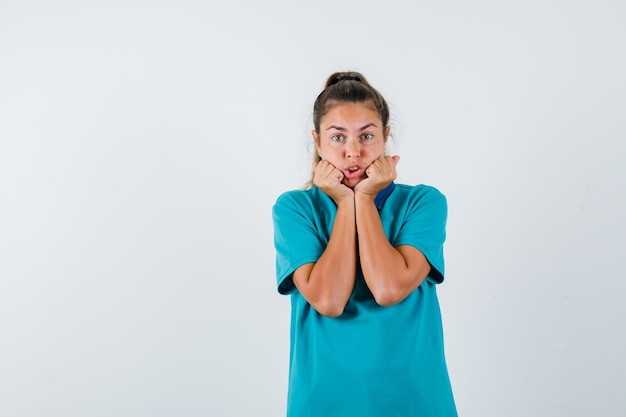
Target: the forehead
(346, 114)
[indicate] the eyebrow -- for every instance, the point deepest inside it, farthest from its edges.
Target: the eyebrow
(343, 129)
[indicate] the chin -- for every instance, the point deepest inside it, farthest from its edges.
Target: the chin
(352, 184)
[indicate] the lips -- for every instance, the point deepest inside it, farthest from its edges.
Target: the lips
(353, 172)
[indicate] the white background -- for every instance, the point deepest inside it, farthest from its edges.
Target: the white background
(142, 145)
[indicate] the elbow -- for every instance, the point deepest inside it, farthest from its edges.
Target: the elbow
(388, 297)
(330, 311)
(329, 308)
(331, 314)
(388, 293)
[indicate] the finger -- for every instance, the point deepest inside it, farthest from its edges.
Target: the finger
(321, 167)
(326, 171)
(317, 166)
(373, 170)
(331, 171)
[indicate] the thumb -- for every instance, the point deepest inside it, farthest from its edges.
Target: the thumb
(396, 158)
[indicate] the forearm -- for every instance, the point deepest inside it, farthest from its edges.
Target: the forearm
(389, 273)
(330, 282)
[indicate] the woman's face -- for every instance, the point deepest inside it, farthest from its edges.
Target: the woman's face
(351, 137)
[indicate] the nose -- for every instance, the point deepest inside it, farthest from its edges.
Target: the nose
(353, 150)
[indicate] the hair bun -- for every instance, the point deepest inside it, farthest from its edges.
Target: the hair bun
(344, 78)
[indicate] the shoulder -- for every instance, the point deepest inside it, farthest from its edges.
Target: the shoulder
(304, 201)
(296, 197)
(418, 194)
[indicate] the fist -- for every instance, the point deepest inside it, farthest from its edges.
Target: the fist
(380, 174)
(329, 179)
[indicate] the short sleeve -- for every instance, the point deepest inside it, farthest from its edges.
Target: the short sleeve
(296, 238)
(424, 228)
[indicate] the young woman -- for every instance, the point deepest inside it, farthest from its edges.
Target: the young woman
(360, 256)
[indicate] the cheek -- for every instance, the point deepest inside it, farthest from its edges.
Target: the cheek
(376, 151)
(327, 152)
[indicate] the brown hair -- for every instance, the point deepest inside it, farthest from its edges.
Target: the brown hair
(346, 87)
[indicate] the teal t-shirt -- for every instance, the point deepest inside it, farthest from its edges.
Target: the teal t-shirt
(371, 361)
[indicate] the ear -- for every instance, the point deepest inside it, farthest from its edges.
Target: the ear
(316, 140)
(386, 133)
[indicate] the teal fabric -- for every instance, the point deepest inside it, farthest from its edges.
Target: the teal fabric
(372, 360)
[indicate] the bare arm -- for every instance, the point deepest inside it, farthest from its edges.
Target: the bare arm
(391, 273)
(328, 283)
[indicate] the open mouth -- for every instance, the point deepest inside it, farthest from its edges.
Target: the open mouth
(353, 172)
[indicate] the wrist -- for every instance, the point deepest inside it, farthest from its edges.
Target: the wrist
(345, 201)
(364, 196)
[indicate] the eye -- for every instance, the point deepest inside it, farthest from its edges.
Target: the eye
(367, 136)
(337, 138)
